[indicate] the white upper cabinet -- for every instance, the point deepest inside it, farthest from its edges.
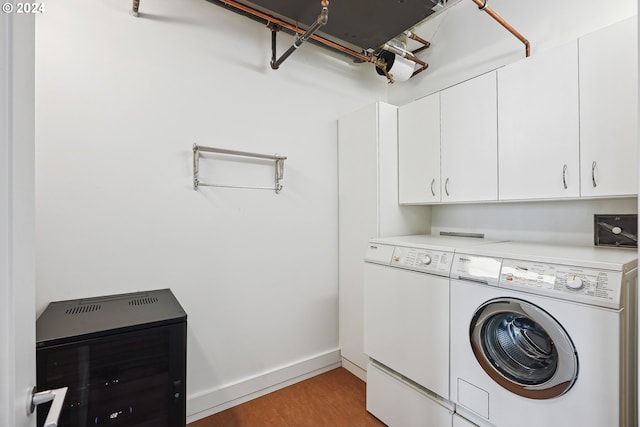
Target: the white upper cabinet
(419, 151)
(609, 110)
(538, 126)
(560, 124)
(469, 145)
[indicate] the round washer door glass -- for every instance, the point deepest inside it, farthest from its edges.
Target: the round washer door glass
(523, 348)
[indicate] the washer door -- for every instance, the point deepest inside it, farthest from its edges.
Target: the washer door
(523, 348)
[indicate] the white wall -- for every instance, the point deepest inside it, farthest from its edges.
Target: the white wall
(466, 42)
(563, 222)
(120, 101)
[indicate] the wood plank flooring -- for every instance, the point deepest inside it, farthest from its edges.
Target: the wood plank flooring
(333, 399)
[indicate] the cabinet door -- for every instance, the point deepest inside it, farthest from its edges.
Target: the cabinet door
(609, 110)
(538, 130)
(419, 150)
(469, 145)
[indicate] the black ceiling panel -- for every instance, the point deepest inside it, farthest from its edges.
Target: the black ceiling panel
(366, 24)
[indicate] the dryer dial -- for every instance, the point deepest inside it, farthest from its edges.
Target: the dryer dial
(574, 282)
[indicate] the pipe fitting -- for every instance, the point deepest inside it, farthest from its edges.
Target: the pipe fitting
(414, 36)
(320, 21)
(134, 8)
(323, 18)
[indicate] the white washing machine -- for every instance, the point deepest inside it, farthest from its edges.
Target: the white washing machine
(406, 328)
(544, 335)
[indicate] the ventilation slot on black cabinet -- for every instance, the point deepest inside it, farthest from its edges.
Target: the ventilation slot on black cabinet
(83, 309)
(143, 301)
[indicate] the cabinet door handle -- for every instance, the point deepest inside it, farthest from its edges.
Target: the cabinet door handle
(446, 186)
(593, 174)
(564, 176)
(433, 181)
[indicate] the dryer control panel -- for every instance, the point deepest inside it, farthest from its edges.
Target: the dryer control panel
(423, 260)
(418, 259)
(590, 286)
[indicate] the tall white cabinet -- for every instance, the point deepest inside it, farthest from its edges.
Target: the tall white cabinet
(609, 111)
(367, 208)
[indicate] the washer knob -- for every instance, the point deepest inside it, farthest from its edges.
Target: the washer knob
(426, 260)
(574, 282)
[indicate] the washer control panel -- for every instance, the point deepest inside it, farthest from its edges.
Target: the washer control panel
(598, 287)
(475, 268)
(423, 260)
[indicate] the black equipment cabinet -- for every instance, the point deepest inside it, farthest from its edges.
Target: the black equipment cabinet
(123, 358)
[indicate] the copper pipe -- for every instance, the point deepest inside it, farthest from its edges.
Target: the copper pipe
(418, 50)
(419, 70)
(288, 26)
(403, 53)
(343, 49)
(412, 36)
(415, 37)
(482, 5)
(416, 60)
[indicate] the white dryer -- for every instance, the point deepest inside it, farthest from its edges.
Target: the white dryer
(544, 335)
(406, 327)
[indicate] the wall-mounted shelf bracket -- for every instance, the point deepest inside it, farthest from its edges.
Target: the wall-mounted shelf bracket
(279, 167)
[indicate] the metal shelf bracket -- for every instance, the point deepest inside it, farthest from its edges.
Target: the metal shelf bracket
(279, 167)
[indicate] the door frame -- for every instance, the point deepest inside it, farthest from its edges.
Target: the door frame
(17, 211)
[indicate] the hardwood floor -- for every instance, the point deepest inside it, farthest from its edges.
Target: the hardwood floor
(333, 399)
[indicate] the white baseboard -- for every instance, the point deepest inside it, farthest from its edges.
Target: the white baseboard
(354, 369)
(209, 402)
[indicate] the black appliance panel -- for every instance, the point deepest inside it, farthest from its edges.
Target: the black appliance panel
(63, 321)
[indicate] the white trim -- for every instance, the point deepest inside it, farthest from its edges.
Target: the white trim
(354, 369)
(17, 249)
(209, 402)
(6, 318)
